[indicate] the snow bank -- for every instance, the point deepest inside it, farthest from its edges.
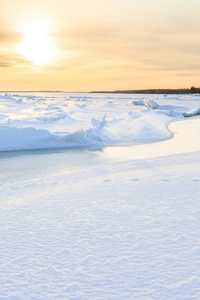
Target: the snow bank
(148, 127)
(12, 138)
(57, 120)
(144, 127)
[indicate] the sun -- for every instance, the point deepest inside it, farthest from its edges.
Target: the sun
(38, 45)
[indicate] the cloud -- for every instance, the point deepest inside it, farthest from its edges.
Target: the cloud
(9, 40)
(8, 36)
(15, 60)
(185, 74)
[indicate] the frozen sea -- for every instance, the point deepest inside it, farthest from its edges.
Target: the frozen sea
(100, 196)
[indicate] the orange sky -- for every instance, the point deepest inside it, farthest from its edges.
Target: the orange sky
(85, 45)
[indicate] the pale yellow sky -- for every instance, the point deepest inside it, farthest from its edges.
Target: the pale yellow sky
(85, 45)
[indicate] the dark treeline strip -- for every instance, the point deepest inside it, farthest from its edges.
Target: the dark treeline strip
(192, 90)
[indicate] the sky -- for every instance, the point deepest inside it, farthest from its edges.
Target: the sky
(88, 45)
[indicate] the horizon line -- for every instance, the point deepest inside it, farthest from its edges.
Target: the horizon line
(103, 91)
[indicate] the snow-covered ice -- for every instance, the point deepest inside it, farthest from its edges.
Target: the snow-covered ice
(108, 206)
(42, 121)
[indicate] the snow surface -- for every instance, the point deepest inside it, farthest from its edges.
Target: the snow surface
(41, 121)
(120, 222)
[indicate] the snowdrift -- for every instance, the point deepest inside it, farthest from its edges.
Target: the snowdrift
(66, 120)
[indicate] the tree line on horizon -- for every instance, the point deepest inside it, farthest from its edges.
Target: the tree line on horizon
(192, 90)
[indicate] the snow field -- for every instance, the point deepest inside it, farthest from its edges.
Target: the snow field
(114, 231)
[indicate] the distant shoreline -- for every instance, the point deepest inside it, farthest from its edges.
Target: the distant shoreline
(192, 90)
(153, 91)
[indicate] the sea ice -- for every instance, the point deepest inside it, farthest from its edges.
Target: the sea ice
(94, 123)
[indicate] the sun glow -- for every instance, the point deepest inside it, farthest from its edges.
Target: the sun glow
(38, 45)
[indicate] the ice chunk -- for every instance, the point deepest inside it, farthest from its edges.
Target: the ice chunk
(137, 102)
(151, 103)
(94, 122)
(145, 102)
(195, 113)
